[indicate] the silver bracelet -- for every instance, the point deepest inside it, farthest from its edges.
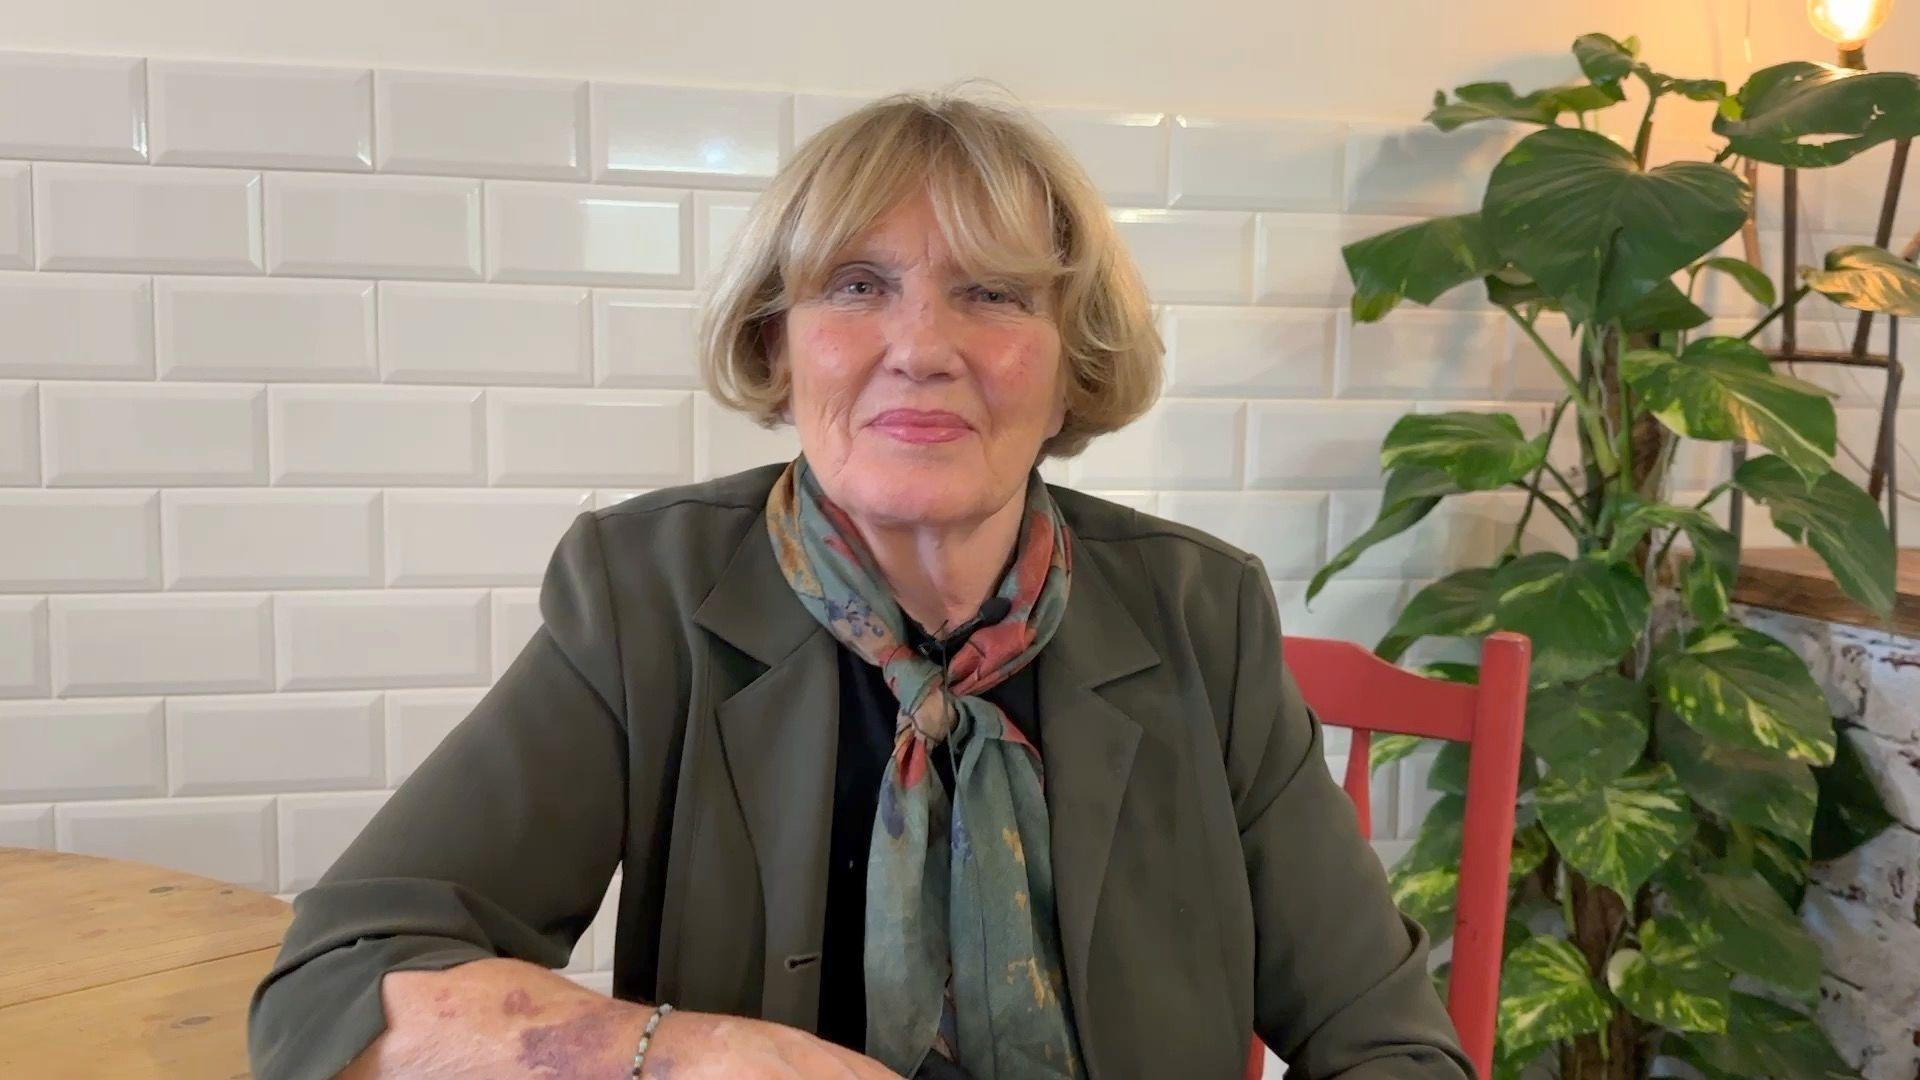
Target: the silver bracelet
(646, 1037)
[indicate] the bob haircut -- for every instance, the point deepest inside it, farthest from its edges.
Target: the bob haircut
(1013, 205)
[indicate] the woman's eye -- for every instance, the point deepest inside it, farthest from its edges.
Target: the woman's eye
(998, 296)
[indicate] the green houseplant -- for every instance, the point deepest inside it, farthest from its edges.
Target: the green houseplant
(1682, 769)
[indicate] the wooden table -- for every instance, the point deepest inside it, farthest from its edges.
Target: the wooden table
(119, 969)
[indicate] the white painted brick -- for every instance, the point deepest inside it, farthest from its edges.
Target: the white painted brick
(1895, 768)
(1883, 873)
(267, 115)
(19, 433)
(730, 442)
(373, 226)
(317, 829)
(478, 125)
(16, 215)
(417, 720)
(679, 134)
(1857, 942)
(238, 744)
(65, 326)
(812, 112)
(123, 433)
(1286, 530)
(79, 540)
(717, 219)
(1124, 152)
(81, 749)
(475, 537)
(1361, 611)
(501, 334)
(1415, 169)
(1317, 444)
(227, 839)
(1297, 259)
(1291, 164)
(159, 644)
(1250, 352)
(596, 437)
(241, 328)
(516, 615)
(84, 108)
(644, 339)
(1198, 256)
(23, 647)
(587, 234)
(1424, 354)
(376, 435)
(111, 217)
(1177, 444)
(392, 637)
(225, 539)
(27, 826)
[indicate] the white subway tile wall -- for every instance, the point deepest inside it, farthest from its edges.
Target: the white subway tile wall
(304, 371)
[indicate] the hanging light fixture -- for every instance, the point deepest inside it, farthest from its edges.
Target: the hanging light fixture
(1848, 24)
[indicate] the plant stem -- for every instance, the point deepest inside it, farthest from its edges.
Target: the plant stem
(1645, 136)
(1565, 515)
(1793, 298)
(1588, 415)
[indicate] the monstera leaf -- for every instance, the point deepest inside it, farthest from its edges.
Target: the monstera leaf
(1868, 278)
(1416, 262)
(1834, 518)
(1573, 210)
(1751, 279)
(1751, 930)
(1739, 686)
(1782, 105)
(1669, 980)
(1411, 494)
(1606, 62)
(1479, 451)
(1546, 994)
(1753, 787)
(1594, 729)
(1723, 388)
(1617, 831)
(1475, 102)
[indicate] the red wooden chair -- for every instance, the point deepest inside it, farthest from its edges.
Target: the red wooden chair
(1347, 686)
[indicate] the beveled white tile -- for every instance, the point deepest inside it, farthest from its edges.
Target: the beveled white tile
(1285, 164)
(603, 499)
(373, 226)
(19, 433)
(1317, 444)
(161, 643)
(1425, 354)
(117, 217)
(375, 638)
(481, 125)
(812, 112)
(277, 116)
(316, 829)
(1287, 530)
(16, 215)
(1124, 152)
(1416, 169)
(376, 435)
(227, 839)
(28, 825)
(1177, 444)
(130, 433)
(253, 328)
(1361, 611)
(516, 615)
(67, 326)
(23, 647)
(729, 442)
(1250, 352)
(495, 334)
(717, 219)
(644, 339)
(238, 744)
(417, 722)
(1197, 256)
(84, 108)
(1297, 258)
(234, 539)
(587, 234)
(683, 134)
(592, 437)
(476, 537)
(81, 750)
(74, 541)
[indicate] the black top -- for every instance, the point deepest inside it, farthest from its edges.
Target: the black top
(867, 712)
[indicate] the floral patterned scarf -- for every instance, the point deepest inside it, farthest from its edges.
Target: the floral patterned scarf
(962, 949)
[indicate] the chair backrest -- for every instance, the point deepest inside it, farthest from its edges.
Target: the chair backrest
(1347, 686)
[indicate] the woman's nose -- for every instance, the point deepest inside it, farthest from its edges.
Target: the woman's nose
(923, 339)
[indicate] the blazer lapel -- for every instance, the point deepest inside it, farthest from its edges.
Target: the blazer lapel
(779, 737)
(1089, 746)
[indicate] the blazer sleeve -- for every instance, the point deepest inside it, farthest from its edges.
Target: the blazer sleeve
(500, 844)
(1340, 975)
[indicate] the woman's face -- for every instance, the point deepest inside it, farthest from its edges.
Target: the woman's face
(921, 395)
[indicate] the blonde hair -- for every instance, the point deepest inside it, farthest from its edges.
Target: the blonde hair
(1012, 203)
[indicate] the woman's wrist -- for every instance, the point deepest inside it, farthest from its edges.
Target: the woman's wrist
(647, 1034)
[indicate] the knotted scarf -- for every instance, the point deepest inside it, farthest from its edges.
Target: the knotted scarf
(962, 953)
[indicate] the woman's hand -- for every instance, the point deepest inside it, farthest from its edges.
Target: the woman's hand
(713, 1046)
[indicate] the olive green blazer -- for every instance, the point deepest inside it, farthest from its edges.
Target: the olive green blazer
(677, 714)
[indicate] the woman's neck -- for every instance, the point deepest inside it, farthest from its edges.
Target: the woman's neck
(941, 574)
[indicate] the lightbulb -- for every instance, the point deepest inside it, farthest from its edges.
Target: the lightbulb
(1847, 23)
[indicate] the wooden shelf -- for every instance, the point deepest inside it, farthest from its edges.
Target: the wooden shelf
(1797, 581)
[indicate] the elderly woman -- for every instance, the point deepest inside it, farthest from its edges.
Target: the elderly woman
(917, 764)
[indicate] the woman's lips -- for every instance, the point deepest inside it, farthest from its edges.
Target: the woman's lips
(918, 426)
